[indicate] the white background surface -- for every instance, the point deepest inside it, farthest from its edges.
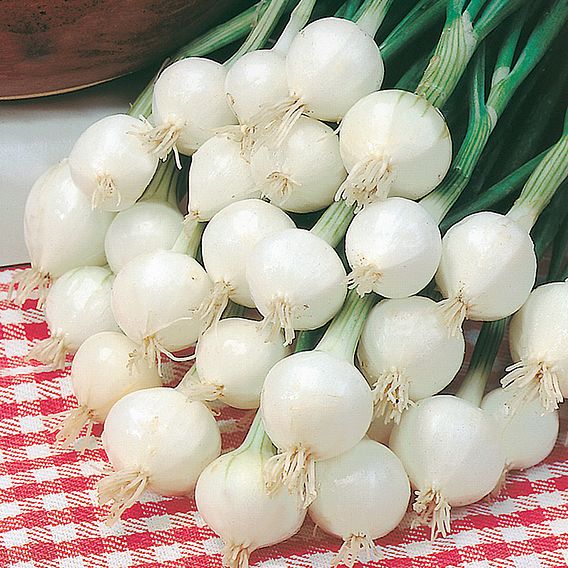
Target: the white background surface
(36, 133)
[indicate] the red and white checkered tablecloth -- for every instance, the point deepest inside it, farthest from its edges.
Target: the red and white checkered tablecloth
(49, 517)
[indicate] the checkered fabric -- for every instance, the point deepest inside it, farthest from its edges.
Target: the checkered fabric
(49, 516)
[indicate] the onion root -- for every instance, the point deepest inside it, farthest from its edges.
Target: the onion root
(391, 395)
(106, 190)
(432, 510)
(273, 123)
(532, 379)
(356, 547)
(280, 316)
(235, 556)
(51, 351)
(363, 278)
(454, 312)
(213, 306)
(295, 470)
(368, 181)
(123, 488)
(28, 280)
(75, 420)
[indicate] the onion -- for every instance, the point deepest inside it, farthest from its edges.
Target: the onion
(188, 106)
(538, 340)
(362, 495)
(218, 176)
(154, 300)
(393, 143)
(314, 406)
(297, 281)
(100, 377)
(304, 173)
(317, 88)
(145, 227)
(453, 454)
(231, 497)
(61, 231)
(487, 270)
(111, 164)
(155, 439)
(406, 353)
(528, 434)
(393, 248)
(77, 307)
(226, 246)
(232, 360)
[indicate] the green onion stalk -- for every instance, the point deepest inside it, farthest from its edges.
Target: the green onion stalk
(484, 114)
(464, 30)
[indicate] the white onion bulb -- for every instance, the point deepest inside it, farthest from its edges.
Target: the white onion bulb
(487, 269)
(111, 163)
(232, 359)
(233, 501)
(154, 300)
(330, 65)
(297, 281)
(255, 80)
(61, 230)
(147, 226)
(155, 439)
(538, 340)
(218, 176)
(528, 434)
(314, 407)
(304, 173)
(226, 245)
(100, 377)
(362, 495)
(393, 143)
(453, 454)
(406, 353)
(77, 307)
(393, 247)
(188, 105)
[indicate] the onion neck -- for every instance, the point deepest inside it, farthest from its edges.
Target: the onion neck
(371, 15)
(484, 354)
(261, 30)
(542, 184)
(162, 188)
(298, 19)
(189, 239)
(343, 334)
(458, 42)
(334, 222)
(484, 115)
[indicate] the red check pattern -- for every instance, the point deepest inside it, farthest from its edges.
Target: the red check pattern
(49, 517)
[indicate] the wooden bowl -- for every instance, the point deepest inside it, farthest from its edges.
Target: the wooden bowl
(54, 46)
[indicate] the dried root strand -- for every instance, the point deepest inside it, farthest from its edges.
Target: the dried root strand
(161, 140)
(295, 470)
(363, 278)
(123, 488)
(106, 190)
(273, 123)
(368, 181)
(356, 547)
(51, 351)
(280, 316)
(75, 420)
(533, 379)
(149, 353)
(432, 510)
(454, 312)
(27, 281)
(244, 134)
(207, 392)
(391, 395)
(236, 556)
(279, 187)
(213, 306)
(501, 483)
